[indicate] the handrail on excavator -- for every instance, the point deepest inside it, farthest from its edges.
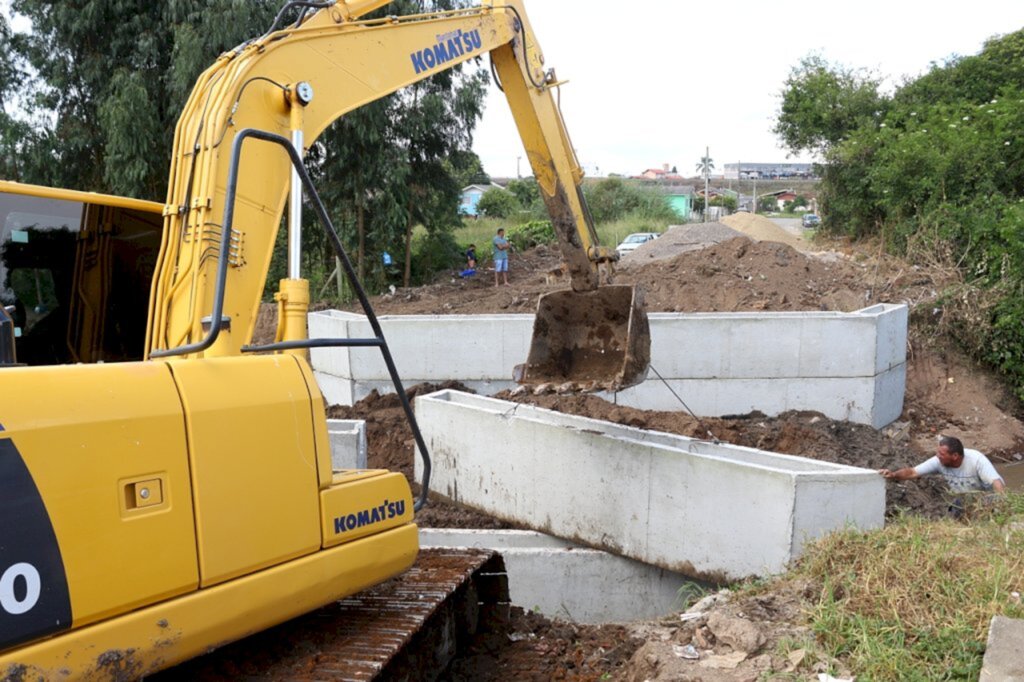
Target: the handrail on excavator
(217, 319)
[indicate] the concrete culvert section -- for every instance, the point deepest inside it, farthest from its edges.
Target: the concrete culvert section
(711, 511)
(848, 366)
(561, 580)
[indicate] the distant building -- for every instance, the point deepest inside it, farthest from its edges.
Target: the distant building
(746, 171)
(471, 197)
(664, 174)
(679, 198)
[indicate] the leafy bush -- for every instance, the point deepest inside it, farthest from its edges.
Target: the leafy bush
(939, 163)
(497, 203)
(614, 198)
(725, 201)
(531, 234)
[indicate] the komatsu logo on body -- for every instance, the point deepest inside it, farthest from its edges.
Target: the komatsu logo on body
(449, 46)
(368, 517)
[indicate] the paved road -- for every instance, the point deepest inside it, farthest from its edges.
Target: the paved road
(791, 225)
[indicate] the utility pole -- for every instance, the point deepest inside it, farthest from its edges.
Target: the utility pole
(707, 172)
(519, 175)
(755, 194)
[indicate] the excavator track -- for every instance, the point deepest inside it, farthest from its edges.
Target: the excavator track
(408, 628)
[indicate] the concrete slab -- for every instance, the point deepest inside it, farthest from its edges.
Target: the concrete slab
(709, 511)
(561, 580)
(849, 366)
(1003, 660)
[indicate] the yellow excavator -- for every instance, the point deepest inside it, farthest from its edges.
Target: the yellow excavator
(165, 486)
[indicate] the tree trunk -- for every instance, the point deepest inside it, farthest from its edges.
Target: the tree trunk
(408, 241)
(361, 248)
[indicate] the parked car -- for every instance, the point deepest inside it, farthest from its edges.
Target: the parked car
(633, 242)
(810, 220)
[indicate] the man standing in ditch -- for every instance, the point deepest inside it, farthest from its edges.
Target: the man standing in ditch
(965, 471)
(501, 248)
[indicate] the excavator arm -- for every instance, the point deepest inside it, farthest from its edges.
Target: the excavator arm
(294, 82)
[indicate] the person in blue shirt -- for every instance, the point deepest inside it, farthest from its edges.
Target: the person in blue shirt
(470, 262)
(501, 249)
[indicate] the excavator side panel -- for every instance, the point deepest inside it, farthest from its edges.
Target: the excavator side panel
(95, 496)
(254, 465)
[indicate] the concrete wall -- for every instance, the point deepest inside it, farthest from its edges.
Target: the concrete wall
(562, 580)
(710, 511)
(347, 438)
(849, 366)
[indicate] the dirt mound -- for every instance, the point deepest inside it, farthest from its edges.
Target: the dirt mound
(741, 275)
(762, 229)
(679, 239)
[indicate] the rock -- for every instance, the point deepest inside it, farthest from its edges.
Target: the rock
(762, 663)
(724, 661)
(1002, 653)
(741, 635)
(707, 602)
(702, 638)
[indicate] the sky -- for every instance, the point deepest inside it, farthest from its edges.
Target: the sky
(653, 82)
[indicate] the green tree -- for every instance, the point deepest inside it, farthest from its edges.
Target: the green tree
(467, 170)
(725, 201)
(436, 123)
(767, 204)
(111, 79)
(939, 167)
(527, 191)
(15, 134)
(498, 203)
(612, 199)
(823, 103)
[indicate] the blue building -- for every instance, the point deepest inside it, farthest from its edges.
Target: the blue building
(471, 197)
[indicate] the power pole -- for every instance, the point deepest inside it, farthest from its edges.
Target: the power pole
(755, 194)
(707, 172)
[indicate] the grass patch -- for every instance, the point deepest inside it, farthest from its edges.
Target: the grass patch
(913, 601)
(612, 233)
(481, 231)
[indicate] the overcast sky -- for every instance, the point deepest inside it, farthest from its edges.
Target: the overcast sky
(655, 81)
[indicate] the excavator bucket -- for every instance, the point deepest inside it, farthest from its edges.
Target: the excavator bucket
(589, 341)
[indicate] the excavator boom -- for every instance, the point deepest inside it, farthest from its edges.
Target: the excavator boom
(296, 81)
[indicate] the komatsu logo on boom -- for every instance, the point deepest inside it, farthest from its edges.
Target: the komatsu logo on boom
(368, 517)
(449, 46)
